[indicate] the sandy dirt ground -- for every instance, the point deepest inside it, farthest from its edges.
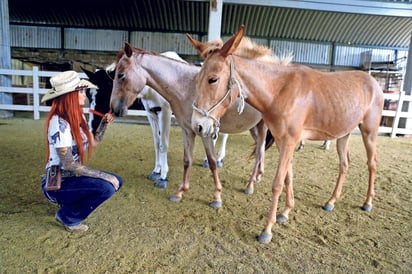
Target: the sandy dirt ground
(140, 231)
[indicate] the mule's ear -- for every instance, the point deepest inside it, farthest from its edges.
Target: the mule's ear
(231, 45)
(128, 49)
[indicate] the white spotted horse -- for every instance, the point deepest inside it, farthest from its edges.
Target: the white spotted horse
(159, 115)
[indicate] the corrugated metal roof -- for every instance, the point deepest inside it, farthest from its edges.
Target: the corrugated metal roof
(179, 16)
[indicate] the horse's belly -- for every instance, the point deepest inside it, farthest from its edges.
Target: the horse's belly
(233, 122)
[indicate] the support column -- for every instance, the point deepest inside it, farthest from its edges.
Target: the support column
(215, 19)
(407, 87)
(5, 56)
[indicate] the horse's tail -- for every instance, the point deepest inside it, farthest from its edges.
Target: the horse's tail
(268, 143)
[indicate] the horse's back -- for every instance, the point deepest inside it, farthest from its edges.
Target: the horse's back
(173, 55)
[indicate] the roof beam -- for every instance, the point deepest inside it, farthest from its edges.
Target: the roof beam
(370, 7)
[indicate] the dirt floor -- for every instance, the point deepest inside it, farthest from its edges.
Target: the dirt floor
(140, 231)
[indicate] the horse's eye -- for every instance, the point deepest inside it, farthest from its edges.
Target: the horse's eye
(121, 76)
(212, 80)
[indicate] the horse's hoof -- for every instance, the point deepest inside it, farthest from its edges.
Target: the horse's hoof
(366, 208)
(175, 198)
(264, 238)
(161, 183)
(328, 207)
(216, 204)
(220, 163)
(280, 219)
(248, 191)
(205, 164)
(154, 176)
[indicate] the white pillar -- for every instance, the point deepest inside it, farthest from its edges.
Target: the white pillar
(5, 56)
(407, 87)
(215, 19)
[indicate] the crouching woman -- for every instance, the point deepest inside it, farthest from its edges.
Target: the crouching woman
(76, 188)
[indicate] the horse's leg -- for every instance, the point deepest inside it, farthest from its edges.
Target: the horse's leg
(154, 124)
(301, 146)
(259, 134)
(211, 157)
(369, 138)
(164, 117)
(222, 151)
(205, 161)
(326, 145)
(343, 153)
(286, 148)
(188, 149)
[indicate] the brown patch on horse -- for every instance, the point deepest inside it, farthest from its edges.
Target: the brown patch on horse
(119, 56)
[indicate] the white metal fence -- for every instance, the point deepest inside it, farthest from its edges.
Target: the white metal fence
(35, 91)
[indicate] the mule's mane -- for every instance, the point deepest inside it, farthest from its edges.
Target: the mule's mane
(250, 50)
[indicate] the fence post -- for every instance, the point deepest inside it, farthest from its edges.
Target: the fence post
(36, 93)
(395, 123)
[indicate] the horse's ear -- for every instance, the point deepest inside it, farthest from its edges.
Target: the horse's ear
(199, 46)
(231, 45)
(128, 49)
(89, 73)
(204, 49)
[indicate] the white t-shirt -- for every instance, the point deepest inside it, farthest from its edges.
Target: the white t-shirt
(60, 135)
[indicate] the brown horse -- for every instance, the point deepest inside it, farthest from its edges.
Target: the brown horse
(296, 103)
(176, 82)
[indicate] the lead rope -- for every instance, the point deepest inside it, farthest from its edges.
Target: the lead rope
(233, 81)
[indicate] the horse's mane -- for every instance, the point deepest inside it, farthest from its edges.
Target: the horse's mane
(119, 56)
(250, 50)
(168, 54)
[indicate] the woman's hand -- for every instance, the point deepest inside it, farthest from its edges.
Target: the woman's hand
(108, 118)
(110, 178)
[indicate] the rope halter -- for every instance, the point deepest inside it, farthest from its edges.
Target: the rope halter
(232, 83)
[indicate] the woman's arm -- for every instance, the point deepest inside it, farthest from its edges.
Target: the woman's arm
(66, 158)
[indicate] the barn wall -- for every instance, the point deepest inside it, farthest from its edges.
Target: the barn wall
(99, 47)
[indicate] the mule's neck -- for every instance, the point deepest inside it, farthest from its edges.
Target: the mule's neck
(174, 80)
(253, 79)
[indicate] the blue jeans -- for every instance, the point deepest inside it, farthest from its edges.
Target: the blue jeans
(79, 196)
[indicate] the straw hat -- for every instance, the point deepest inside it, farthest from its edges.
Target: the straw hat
(65, 82)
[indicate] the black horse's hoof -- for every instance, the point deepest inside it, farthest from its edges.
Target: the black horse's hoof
(220, 163)
(161, 183)
(155, 176)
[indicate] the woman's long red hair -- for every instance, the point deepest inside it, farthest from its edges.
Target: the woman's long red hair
(67, 107)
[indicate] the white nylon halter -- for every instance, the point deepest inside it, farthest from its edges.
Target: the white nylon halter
(232, 82)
